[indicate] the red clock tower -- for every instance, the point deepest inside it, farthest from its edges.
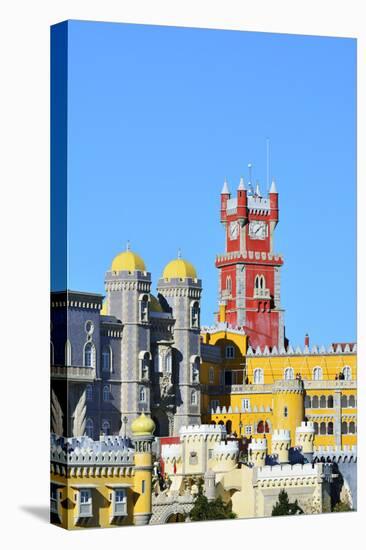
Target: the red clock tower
(249, 280)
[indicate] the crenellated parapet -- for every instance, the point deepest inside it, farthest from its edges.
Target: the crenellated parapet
(258, 451)
(202, 431)
(347, 453)
(281, 442)
(288, 386)
(226, 450)
(306, 350)
(171, 453)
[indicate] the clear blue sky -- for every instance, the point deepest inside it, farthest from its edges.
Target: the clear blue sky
(158, 117)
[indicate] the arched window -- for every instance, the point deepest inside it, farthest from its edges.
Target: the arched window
(322, 402)
(289, 373)
(89, 355)
(144, 359)
(262, 282)
(107, 358)
(195, 369)
(195, 315)
(258, 376)
(330, 402)
(211, 375)
(317, 373)
(89, 392)
(344, 428)
(106, 427)
(323, 428)
(168, 361)
(260, 427)
(330, 428)
(307, 402)
(351, 401)
(316, 428)
(315, 402)
(106, 392)
(144, 308)
(89, 428)
(347, 372)
(228, 284)
(266, 427)
(285, 412)
(344, 402)
(352, 428)
(68, 358)
(142, 394)
(193, 397)
(228, 426)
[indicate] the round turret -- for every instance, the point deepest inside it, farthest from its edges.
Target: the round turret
(281, 442)
(257, 452)
(305, 434)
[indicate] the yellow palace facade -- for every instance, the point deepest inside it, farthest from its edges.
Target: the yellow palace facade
(254, 392)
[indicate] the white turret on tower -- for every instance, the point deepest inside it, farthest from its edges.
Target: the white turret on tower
(281, 441)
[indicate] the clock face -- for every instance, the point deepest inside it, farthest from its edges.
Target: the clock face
(258, 230)
(234, 230)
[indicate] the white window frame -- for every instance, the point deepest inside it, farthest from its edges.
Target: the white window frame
(347, 369)
(230, 352)
(211, 375)
(92, 355)
(317, 373)
(68, 353)
(85, 506)
(119, 505)
(258, 376)
(245, 404)
(288, 370)
(193, 398)
(142, 391)
(195, 369)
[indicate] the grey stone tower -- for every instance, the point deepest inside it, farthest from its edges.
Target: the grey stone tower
(180, 289)
(127, 287)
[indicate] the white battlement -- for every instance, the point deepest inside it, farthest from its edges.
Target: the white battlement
(322, 449)
(202, 430)
(315, 350)
(287, 471)
(226, 448)
(305, 427)
(171, 452)
(259, 444)
(281, 435)
(83, 451)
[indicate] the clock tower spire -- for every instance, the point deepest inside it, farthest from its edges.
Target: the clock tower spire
(249, 270)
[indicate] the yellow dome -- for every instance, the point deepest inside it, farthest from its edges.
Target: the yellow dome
(128, 261)
(143, 425)
(179, 269)
(155, 304)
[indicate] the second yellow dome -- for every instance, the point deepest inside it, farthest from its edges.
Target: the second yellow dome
(179, 269)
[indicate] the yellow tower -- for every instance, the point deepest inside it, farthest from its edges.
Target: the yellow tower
(142, 436)
(288, 406)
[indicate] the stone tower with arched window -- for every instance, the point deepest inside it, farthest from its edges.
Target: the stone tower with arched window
(180, 290)
(127, 287)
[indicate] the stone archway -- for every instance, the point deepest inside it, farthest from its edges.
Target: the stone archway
(176, 518)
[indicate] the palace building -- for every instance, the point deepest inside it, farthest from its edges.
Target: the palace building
(236, 383)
